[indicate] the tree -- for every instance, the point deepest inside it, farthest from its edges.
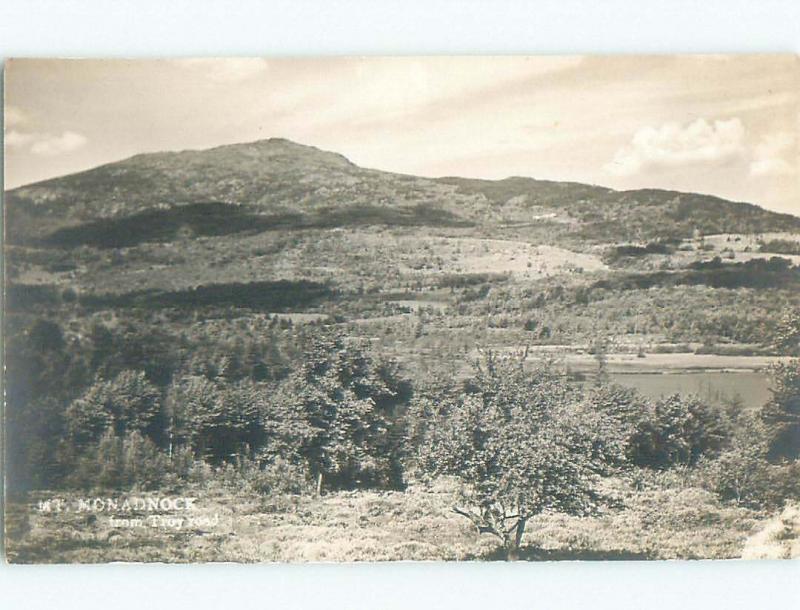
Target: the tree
(120, 463)
(218, 420)
(626, 417)
(743, 472)
(599, 347)
(520, 444)
(679, 430)
(337, 413)
(31, 433)
(740, 473)
(45, 371)
(127, 403)
(782, 413)
(786, 336)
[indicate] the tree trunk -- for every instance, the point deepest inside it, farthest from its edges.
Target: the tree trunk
(512, 552)
(319, 483)
(513, 544)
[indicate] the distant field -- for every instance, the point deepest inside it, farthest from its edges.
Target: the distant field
(709, 376)
(740, 247)
(630, 363)
(520, 259)
(343, 256)
(750, 387)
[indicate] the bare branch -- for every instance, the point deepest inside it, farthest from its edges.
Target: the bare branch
(479, 523)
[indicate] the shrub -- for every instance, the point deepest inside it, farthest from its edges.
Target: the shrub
(132, 461)
(627, 415)
(747, 479)
(780, 246)
(678, 430)
(278, 477)
(785, 338)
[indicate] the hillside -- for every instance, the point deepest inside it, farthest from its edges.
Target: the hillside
(278, 184)
(278, 228)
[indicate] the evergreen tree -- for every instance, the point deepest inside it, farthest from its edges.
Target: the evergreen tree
(336, 413)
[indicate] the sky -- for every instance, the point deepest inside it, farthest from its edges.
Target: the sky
(725, 125)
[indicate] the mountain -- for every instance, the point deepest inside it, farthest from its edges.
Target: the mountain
(279, 184)
(186, 240)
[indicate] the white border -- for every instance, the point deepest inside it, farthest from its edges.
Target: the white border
(157, 28)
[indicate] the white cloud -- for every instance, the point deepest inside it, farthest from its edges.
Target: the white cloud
(769, 156)
(50, 145)
(18, 139)
(675, 145)
(44, 144)
(225, 70)
(14, 117)
(16, 136)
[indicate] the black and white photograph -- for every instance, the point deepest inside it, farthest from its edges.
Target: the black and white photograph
(477, 308)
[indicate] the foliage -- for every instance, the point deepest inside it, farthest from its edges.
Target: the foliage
(782, 413)
(335, 413)
(678, 430)
(780, 246)
(278, 476)
(521, 445)
(125, 404)
(740, 472)
(672, 431)
(627, 415)
(130, 461)
(614, 254)
(786, 335)
(219, 421)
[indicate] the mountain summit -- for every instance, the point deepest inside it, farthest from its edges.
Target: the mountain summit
(280, 179)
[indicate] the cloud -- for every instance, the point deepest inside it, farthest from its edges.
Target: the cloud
(769, 156)
(225, 70)
(49, 145)
(18, 139)
(38, 143)
(675, 145)
(14, 117)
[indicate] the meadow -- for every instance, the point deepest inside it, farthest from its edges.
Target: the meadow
(418, 524)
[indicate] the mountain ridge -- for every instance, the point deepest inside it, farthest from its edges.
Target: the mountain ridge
(278, 177)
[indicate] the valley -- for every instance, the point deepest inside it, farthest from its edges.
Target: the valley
(198, 286)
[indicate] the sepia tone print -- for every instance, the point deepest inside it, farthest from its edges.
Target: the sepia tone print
(419, 308)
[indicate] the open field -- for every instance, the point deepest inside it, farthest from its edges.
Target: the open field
(667, 363)
(417, 525)
(751, 388)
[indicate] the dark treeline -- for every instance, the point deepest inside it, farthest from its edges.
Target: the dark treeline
(281, 295)
(199, 219)
(617, 253)
(756, 273)
(216, 219)
(303, 409)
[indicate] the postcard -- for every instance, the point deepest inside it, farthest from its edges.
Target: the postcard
(344, 309)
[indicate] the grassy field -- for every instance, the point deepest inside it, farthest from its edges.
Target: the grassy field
(418, 524)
